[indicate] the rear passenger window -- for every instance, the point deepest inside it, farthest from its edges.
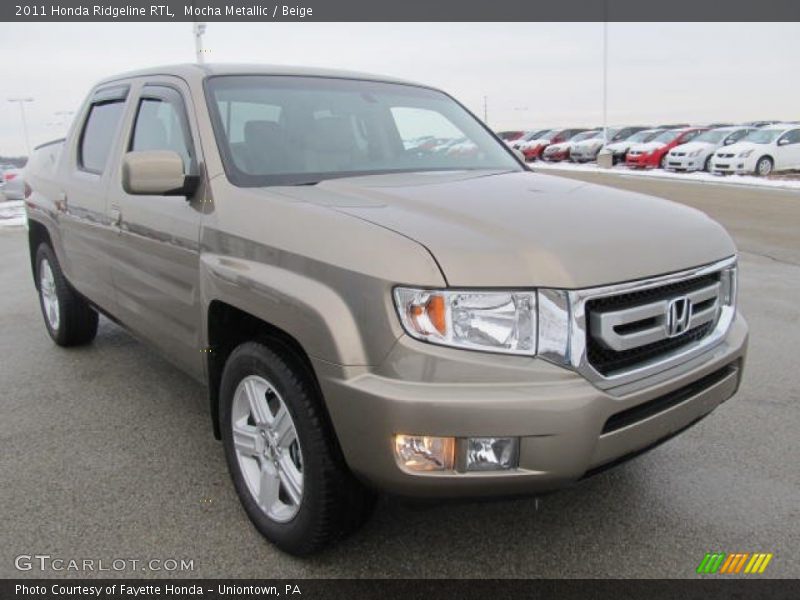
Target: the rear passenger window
(161, 125)
(98, 135)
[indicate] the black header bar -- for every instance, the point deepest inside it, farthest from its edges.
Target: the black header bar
(399, 10)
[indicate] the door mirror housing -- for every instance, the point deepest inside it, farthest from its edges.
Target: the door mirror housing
(156, 173)
(784, 141)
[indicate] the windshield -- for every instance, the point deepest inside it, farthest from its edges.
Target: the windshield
(279, 130)
(713, 137)
(585, 135)
(762, 136)
(534, 135)
(642, 136)
(667, 137)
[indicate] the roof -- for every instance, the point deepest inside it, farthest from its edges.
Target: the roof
(192, 71)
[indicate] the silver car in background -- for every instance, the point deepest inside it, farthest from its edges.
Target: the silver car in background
(620, 149)
(696, 155)
(587, 150)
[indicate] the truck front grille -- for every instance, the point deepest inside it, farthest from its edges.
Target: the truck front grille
(633, 328)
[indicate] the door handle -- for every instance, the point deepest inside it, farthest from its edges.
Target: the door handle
(116, 217)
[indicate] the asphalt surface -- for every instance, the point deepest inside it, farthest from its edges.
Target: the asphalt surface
(106, 452)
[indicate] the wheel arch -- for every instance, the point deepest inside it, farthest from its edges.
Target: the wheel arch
(227, 327)
(37, 234)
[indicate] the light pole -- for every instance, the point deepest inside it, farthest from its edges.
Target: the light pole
(605, 72)
(22, 102)
(199, 29)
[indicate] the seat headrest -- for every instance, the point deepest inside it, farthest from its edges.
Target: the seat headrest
(259, 132)
(333, 134)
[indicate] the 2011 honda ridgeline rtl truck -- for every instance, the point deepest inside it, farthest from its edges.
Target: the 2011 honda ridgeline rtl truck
(371, 311)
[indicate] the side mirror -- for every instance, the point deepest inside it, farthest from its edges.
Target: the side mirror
(729, 141)
(784, 141)
(156, 173)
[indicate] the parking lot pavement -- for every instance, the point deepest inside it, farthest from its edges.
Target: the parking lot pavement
(106, 452)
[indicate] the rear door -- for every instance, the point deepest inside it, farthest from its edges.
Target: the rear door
(155, 268)
(86, 230)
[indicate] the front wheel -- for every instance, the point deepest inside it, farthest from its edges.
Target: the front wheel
(69, 319)
(282, 454)
(764, 166)
(707, 165)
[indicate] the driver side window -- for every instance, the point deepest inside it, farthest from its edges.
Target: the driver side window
(793, 136)
(161, 124)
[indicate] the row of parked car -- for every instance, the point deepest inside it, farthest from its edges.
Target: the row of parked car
(759, 148)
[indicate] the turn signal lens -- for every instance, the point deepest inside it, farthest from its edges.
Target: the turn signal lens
(425, 452)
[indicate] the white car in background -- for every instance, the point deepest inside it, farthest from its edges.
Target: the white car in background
(771, 148)
(587, 150)
(696, 155)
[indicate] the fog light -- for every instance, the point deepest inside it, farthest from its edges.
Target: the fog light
(492, 454)
(424, 452)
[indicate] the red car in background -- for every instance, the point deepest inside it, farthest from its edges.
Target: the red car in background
(534, 148)
(652, 154)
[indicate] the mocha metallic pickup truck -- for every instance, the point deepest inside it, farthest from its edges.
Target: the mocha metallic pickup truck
(370, 307)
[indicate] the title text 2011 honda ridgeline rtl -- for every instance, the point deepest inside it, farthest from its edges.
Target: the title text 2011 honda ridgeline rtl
(372, 308)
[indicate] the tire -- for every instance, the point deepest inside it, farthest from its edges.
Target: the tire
(290, 476)
(764, 166)
(69, 319)
(663, 162)
(707, 165)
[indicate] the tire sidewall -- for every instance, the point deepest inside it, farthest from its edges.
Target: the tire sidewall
(255, 359)
(758, 164)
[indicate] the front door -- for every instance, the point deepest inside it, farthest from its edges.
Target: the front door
(155, 271)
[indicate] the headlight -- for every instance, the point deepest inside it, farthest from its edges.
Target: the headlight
(490, 321)
(745, 154)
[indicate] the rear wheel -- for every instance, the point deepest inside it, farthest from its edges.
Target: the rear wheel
(69, 319)
(764, 166)
(282, 455)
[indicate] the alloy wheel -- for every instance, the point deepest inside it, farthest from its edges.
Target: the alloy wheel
(49, 295)
(267, 448)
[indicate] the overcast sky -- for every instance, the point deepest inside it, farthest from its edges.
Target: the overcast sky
(534, 74)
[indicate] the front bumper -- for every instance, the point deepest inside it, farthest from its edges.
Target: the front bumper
(686, 163)
(556, 156)
(584, 155)
(567, 427)
(641, 161)
(733, 165)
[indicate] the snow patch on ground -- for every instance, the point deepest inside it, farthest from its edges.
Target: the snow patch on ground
(12, 214)
(698, 177)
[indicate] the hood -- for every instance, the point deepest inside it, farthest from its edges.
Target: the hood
(617, 146)
(693, 146)
(586, 144)
(490, 229)
(648, 146)
(560, 147)
(741, 147)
